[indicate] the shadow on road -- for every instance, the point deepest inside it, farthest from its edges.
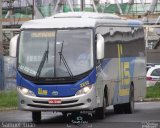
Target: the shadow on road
(82, 118)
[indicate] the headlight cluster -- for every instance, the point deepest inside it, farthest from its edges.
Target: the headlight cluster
(84, 90)
(26, 91)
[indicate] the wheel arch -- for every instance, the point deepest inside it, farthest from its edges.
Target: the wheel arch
(131, 90)
(131, 86)
(106, 93)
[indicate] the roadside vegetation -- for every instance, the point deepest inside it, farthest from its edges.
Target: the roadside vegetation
(153, 91)
(8, 99)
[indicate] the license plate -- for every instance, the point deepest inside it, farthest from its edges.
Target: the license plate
(54, 101)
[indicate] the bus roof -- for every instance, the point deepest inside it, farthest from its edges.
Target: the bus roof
(79, 20)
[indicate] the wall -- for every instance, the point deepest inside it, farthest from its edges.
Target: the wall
(153, 56)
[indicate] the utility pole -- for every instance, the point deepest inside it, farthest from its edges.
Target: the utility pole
(82, 5)
(33, 4)
(1, 40)
(1, 52)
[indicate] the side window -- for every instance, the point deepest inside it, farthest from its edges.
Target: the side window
(111, 38)
(111, 50)
(156, 72)
(133, 43)
(131, 39)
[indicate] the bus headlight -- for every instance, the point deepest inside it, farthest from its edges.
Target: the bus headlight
(84, 90)
(26, 91)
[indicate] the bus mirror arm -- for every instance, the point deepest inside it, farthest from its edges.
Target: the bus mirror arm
(13, 46)
(100, 47)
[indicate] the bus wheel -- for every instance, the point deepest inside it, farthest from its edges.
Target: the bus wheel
(36, 117)
(101, 112)
(129, 107)
(64, 114)
(118, 109)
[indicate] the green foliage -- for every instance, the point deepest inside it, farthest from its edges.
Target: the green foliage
(153, 91)
(8, 99)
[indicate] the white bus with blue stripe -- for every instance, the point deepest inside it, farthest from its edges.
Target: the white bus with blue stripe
(80, 61)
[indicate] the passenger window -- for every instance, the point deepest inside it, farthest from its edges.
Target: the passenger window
(156, 72)
(111, 50)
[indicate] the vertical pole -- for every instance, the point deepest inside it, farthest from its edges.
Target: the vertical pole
(136, 7)
(1, 40)
(33, 10)
(56, 7)
(70, 5)
(146, 36)
(82, 5)
(1, 52)
(0, 21)
(94, 6)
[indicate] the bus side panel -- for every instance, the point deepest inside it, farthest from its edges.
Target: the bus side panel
(124, 62)
(107, 74)
(139, 79)
(112, 80)
(110, 77)
(118, 89)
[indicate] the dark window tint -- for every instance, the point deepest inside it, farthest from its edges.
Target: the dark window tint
(156, 72)
(111, 50)
(131, 41)
(133, 48)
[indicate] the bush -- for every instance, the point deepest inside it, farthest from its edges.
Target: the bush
(153, 91)
(8, 99)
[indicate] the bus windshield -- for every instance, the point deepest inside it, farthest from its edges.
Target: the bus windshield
(55, 53)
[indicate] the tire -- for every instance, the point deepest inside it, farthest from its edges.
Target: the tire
(118, 109)
(64, 114)
(36, 117)
(129, 107)
(101, 112)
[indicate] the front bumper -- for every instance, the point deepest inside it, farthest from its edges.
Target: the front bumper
(74, 103)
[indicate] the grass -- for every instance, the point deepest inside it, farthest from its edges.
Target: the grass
(8, 99)
(153, 91)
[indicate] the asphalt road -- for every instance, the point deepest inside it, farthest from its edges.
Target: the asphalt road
(146, 115)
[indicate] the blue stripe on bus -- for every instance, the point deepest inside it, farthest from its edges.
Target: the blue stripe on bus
(64, 90)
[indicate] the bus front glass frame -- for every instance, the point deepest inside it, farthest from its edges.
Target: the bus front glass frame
(55, 53)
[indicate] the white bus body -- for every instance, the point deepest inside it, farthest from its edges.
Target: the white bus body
(116, 75)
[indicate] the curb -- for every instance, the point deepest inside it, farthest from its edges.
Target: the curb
(151, 99)
(8, 109)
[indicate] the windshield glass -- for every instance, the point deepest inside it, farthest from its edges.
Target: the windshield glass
(60, 53)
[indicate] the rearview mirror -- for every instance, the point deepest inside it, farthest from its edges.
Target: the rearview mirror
(100, 47)
(13, 46)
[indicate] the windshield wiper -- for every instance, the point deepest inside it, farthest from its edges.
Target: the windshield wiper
(44, 58)
(64, 61)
